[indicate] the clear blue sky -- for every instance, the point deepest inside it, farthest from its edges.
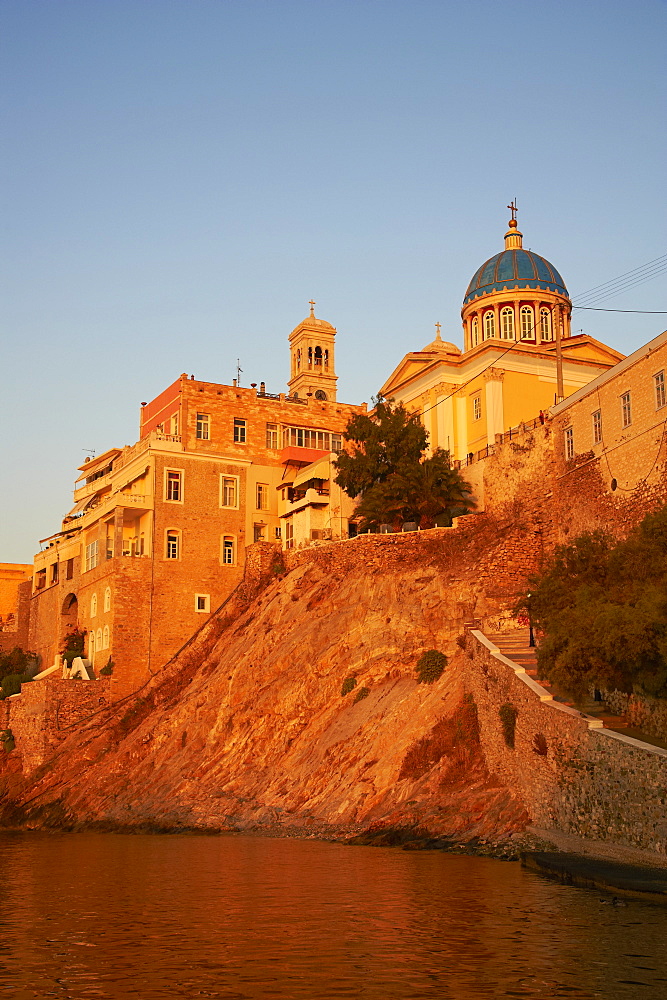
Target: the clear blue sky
(181, 176)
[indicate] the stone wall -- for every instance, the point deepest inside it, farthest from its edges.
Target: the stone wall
(571, 773)
(642, 711)
(46, 712)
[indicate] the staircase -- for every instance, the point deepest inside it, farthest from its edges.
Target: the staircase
(516, 647)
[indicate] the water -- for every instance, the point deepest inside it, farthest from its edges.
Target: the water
(111, 917)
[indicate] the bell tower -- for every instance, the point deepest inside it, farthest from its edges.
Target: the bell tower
(312, 368)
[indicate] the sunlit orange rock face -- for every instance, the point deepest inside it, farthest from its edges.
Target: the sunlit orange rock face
(248, 728)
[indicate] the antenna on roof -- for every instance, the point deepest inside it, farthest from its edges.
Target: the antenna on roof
(238, 371)
(91, 451)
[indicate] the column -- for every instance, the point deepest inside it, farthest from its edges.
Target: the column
(461, 425)
(494, 403)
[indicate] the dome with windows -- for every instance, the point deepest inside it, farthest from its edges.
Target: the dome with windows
(514, 269)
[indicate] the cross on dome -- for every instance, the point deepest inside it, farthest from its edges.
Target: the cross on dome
(312, 304)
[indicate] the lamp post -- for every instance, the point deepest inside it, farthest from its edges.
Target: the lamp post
(531, 635)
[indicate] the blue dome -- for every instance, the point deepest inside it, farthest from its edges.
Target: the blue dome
(515, 269)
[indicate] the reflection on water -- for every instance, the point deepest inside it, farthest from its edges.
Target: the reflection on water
(111, 917)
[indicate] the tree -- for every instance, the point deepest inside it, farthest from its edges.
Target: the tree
(602, 606)
(387, 469)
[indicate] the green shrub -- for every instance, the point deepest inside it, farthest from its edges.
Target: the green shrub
(17, 662)
(430, 666)
(11, 684)
(508, 714)
(361, 694)
(349, 684)
(107, 669)
(73, 645)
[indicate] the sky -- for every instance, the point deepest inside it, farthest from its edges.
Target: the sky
(180, 177)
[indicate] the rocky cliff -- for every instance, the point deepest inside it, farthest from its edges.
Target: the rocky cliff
(247, 727)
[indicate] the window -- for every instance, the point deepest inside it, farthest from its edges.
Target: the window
(569, 443)
(93, 606)
(173, 547)
(489, 325)
(175, 425)
(69, 569)
(475, 332)
(626, 409)
(527, 325)
(545, 324)
(320, 394)
(40, 579)
(202, 426)
(507, 323)
(173, 486)
(91, 555)
(477, 407)
(229, 491)
(289, 535)
(305, 437)
(105, 637)
(228, 551)
(202, 603)
(277, 533)
(272, 436)
(54, 572)
(262, 496)
(258, 532)
(107, 599)
(659, 381)
(98, 639)
(91, 647)
(239, 431)
(597, 426)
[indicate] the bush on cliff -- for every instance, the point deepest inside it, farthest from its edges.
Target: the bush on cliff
(349, 684)
(508, 715)
(430, 666)
(386, 467)
(11, 684)
(601, 605)
(18, 661)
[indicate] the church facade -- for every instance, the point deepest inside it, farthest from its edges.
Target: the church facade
(519, 355)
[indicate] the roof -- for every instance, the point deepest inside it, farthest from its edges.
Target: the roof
(514, 269)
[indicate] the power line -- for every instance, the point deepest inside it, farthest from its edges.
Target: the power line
(645, 312)
(621, 277)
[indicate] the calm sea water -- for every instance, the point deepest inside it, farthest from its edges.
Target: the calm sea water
(111, 917)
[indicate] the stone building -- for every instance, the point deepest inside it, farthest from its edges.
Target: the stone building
(13, 579)
(157, 535)
(519, 355)
(610, 442)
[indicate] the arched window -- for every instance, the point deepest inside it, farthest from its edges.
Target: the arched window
(318, 357)
(527, 323)
(507, 323)
(489, 325)
(545, 324)
(91, 646)
(475, 332)
(173, 544)
(93, 606)
(105, 637)
(298, 359)
(326, 360)
(107, 599)
(310, 357)
(98, 639)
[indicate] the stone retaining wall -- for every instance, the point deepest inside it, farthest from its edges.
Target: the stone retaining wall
(571, 773)
(642, 712)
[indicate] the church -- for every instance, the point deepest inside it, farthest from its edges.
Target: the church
(519, 356)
